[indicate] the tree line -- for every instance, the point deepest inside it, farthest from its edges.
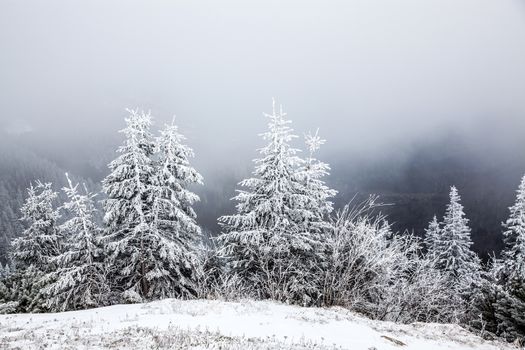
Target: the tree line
(285, 241)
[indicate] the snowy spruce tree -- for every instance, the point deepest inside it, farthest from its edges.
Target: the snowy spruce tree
(510, 304)
(453, 308)
(267, 243)
(514, 236)
(128, 206)
(34, 251)
(459, 268)
(79, 280)
(151, 224)
(315, 223)
(41, 240)
(432, 236)
(175, 234)
(318, 205)
(451, 248)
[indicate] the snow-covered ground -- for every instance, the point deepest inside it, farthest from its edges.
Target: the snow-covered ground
(204, 324)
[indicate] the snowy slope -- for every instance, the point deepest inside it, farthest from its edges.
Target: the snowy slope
(203, 324)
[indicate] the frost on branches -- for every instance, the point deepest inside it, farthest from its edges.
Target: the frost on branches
(128, 206)
(381, 274)
(510, 306)
(79, 280)
(432, 237)
(151, 224)
(271, 243)
(312, 171)
(514, 236)
(34, 251)
(174, 270)
(448, 250)
(41, 240)
(451, 248)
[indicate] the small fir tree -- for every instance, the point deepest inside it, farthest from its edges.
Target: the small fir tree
(510, 305)
(452, 250)
(79, 281)
(35, 250)
(432, 237)
(41, 240)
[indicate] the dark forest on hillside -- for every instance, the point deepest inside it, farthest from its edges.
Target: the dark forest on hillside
(414, 187)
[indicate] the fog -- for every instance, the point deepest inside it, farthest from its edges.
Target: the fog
(412, 96)
(373, 75)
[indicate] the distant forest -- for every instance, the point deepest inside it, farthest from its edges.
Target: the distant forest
(415, 185)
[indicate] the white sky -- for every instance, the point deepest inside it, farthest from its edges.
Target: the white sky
(369, 73)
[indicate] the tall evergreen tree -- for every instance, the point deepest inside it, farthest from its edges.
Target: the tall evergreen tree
(79, 280)
(128, 206)
(174, 271)
(266, 242)
(510, 306)
(455, 286)
(152, 226)
(452, 250)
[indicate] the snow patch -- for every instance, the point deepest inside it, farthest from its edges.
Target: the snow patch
(205, 324)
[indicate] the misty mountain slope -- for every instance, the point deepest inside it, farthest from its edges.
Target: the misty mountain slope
(205, 324)
(415, 182)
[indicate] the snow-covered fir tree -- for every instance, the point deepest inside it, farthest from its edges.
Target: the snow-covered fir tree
(267, 242)
(514, 236)
(34, 251)
(432, 236)
(41, 240)
(510, 304)
(452, 249)
(266, 209)
(453, 309)
(173, 270)
(129, 190)
(315, 223)
(79, 280)
(317, 192)
(152, 226)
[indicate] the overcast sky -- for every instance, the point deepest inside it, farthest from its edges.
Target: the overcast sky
(369, 73)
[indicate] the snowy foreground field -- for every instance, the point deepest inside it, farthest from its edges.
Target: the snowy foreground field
(201, 324)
